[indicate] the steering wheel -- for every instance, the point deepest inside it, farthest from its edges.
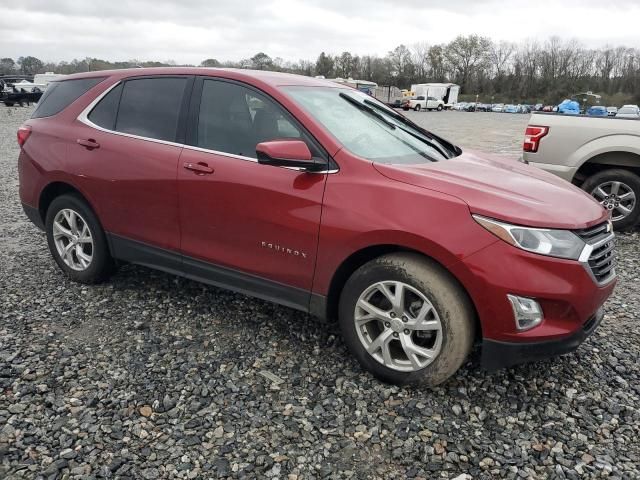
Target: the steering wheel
(361, 137)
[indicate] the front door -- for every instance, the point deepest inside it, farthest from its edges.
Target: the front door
(255, 226)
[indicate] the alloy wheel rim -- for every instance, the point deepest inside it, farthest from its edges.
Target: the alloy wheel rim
(73, 239)
(398, 326)
(617, 197)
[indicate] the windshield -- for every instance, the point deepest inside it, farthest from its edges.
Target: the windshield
(368, 128)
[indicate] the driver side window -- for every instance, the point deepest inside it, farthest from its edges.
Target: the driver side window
(234, 119)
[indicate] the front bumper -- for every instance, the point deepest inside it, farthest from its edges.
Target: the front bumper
(497, 354)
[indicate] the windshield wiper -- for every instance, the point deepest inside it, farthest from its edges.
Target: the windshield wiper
(432, 140)
(369, 110)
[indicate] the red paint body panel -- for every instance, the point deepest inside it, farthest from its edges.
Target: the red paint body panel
(287, 149)
(297, 228)
(133, 185)
(501, 188)
(260, 219)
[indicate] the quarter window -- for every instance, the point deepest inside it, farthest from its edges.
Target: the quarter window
(150, 107)
(59, 95)
(234, 119)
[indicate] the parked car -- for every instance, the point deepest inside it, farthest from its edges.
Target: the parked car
(10, 95)
(307, 193)
(628, 111)
(597, 111)
(600, 155)
(510, 109)
(483, 107)
(498, 107)
(611, 111)
(423, 103)
(538, 107)
(569, 107)
(460, 106)
(548, 108)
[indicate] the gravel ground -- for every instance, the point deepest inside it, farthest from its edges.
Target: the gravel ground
(501, 133)
(152, 376)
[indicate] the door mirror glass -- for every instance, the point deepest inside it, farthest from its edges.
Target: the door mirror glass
(285, 153)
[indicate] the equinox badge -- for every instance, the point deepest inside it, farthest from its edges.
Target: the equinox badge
(284, 250)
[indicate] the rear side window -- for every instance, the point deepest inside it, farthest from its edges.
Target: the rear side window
(59, 95)
(105, 112)
(150, 107)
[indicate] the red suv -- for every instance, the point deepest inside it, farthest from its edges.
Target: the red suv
(315, 196)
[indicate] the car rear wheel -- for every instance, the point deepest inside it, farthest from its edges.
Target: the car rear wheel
(618, 191)
(76, 240)
(439, 108)
(406, 319)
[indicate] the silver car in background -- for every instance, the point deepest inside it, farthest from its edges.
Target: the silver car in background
(628, 111)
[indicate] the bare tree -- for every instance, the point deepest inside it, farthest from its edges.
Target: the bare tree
(466, 54)
(420, 58)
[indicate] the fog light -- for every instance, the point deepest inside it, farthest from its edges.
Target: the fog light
(526, 311)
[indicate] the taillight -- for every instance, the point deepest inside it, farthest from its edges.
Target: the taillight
(23, 134)
(532, 137)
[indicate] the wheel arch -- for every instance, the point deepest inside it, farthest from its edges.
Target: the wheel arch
(624, 159)
(53, 190)
(358, 258)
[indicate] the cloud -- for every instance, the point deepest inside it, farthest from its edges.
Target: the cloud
(193, 30)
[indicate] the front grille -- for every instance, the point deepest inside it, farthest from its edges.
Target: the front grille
(601, 261)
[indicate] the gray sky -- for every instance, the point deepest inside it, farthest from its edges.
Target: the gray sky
(189, 31)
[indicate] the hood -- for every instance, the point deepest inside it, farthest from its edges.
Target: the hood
(504, 189)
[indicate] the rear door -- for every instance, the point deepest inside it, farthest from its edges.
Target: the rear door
(126, 154)
(255, 226)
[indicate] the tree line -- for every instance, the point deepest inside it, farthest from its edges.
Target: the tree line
(529, 72)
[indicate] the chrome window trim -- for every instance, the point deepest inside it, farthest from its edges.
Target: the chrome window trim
(83, 117)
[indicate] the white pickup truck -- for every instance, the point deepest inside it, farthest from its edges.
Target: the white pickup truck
(601, 155)
(422, 102)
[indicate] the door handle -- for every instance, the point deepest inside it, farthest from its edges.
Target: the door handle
(200, 168)
(89, 144)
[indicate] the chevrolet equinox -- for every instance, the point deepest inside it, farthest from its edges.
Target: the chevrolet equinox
(316, 196)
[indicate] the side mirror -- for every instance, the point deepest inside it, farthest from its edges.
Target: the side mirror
(286, 153)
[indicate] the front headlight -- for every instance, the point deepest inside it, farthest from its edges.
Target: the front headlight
(551, 242)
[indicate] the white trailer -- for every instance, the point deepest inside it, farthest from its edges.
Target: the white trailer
(39, 84)
(447, 92)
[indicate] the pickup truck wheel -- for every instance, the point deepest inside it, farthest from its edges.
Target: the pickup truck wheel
(406, 319)
(76, 240)
(417, 108)
(618, 191)
(439, 108)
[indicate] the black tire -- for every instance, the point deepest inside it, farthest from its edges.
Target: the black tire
(439, 108)
(626, 177)
(102, 264)
(452, 304)
(417, 108)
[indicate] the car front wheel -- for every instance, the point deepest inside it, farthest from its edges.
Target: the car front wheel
(417, 108)
(618, 191)
(406, 319)
(76, 240)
